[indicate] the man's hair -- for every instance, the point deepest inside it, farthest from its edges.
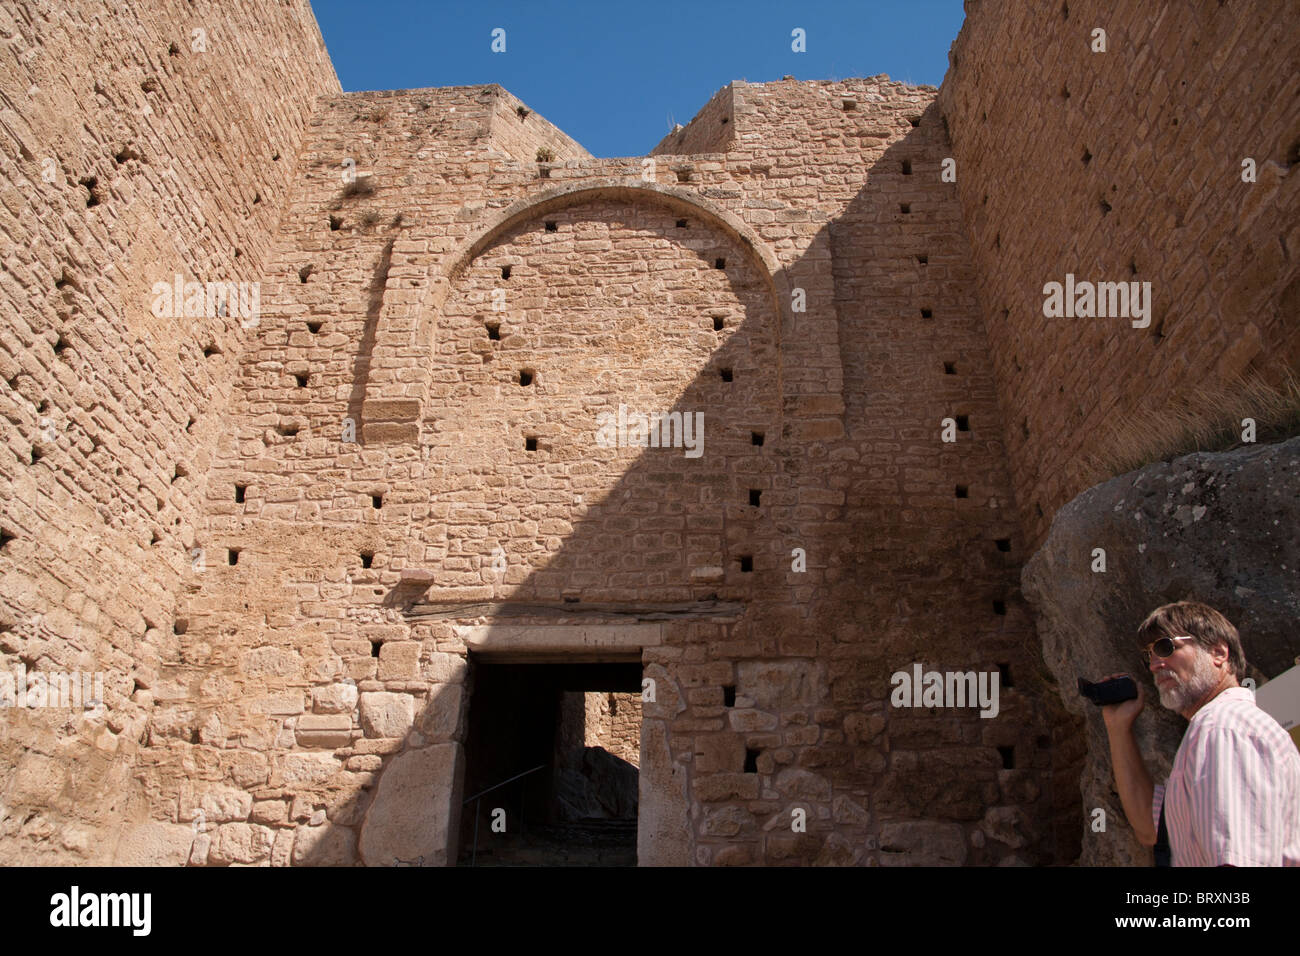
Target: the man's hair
(1205, 625)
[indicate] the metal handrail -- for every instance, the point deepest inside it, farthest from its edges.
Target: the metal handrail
(478, 796)
(540, 766)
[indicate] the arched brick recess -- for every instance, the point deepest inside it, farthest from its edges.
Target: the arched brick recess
(414, 293)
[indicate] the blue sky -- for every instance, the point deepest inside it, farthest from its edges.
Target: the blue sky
(615, 75)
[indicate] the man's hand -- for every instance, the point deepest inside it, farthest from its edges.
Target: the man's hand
(1122, 715)
(1132, 780)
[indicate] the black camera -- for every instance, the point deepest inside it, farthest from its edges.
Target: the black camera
(1113, 691)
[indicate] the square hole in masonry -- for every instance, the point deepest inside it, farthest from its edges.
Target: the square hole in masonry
(949, 368)
(376, 501)
(367, 558)
(374, 648)
(494, 331)
(505, 272)
(725, 373)
(922, 260)
(905, 208)
(907, 167)
(530, 443)
(746, 563)
(552, 226)
(1004, 675)
(239, 493)
(681, 223)
(729, 695)
(1008, 755)
(232, 556)
(756, 438)
(301, 379)
(751, 761)
(963, 423)
(963, 491)
(720, 263)
(314, 327)
(719, 323)
(754, 496)
(927, 313)
(999, 607)
(526, 376)
(1004, 544)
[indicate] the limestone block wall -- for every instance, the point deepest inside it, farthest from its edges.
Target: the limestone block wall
(1125, 165)
(711, 131)
(377, 486)
(613, 721)
(521, 134)
(141, 141)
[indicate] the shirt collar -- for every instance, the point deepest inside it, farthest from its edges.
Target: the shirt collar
(1227, 694)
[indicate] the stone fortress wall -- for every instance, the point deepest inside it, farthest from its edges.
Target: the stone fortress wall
(404, 448)
(1125, 166)
(134, 150)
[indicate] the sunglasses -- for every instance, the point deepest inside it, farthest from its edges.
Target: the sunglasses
(1161, 648)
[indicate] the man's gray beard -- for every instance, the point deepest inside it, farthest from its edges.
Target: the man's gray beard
(1180, 696)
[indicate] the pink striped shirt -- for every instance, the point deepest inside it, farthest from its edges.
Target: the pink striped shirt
(1233, 795)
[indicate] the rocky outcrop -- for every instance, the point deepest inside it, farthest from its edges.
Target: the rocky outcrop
(1218, 528)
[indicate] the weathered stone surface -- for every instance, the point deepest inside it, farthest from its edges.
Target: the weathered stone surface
(441, 718)
(323, 730)
(269, 812)
(802, 784)
(1219, 528)
(387, 715)
(663, 827)
(308, 770)
(325, 845)
(214, 803)
(1007, 825)
(773, 685)
(282, 849)
(398, 659)
(241, 843)
(913, 843)
(249, 769)
(719, 752)
(155, 844)
(338, 698)
(412, 812)
(667, 702)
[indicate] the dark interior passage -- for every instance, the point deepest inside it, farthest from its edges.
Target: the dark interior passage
(530, 755)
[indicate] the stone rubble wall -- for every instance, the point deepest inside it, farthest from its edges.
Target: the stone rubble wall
(613, 721)
(1125, 166)
(239, 525)
(141, 140)
(304, 684)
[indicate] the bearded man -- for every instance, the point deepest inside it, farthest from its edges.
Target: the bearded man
(1233, 794)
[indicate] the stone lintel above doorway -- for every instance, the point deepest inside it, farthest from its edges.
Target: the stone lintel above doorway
(567, 641)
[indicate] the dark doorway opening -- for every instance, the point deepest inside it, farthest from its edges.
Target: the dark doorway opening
(552, 764)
